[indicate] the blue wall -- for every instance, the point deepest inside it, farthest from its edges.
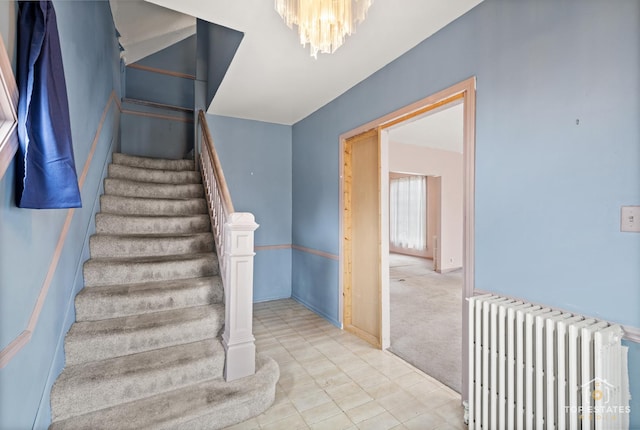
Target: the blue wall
(256, 158)
(91, 61)
(316, 220)
(311, 275)
(156, 132)
(548, 191)
(215, 48)
(634, 378)
(179, 57)
(146, 130)
(161, 88)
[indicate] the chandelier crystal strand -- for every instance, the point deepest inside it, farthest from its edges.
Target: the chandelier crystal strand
(323, 24)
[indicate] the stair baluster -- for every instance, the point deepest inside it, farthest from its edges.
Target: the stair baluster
(233, 235)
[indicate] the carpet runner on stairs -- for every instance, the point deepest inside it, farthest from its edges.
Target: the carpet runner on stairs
(145, 351)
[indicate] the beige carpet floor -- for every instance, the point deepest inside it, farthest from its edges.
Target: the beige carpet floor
(426, 318)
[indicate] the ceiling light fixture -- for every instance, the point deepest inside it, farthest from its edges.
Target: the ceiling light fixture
(323, 24)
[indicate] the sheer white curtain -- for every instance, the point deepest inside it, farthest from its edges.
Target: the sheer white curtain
(408, 212)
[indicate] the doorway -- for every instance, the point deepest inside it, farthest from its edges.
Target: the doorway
(426, 215)
(378, 260)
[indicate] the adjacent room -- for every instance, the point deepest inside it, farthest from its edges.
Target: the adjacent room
(425, 209)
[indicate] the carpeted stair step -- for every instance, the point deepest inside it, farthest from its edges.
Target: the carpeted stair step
(119, 246)
(146, 224)
(147, 206)
(99, 340)
(126, 188)
(209, 405)
(111, 271)
(152, 163)
(113, 301)
(97, 385)
(146, 350)
(119, 171)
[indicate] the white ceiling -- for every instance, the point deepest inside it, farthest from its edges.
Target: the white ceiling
(441, 129)
(273, 78)
(146, 28)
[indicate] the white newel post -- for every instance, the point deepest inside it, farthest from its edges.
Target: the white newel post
(238, 337)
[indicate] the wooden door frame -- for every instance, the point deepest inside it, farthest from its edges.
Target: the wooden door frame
(346, 244)
(465, 90)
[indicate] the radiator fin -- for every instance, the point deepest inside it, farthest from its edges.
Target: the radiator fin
(536, 368)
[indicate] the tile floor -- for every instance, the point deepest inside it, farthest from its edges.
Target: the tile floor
(330, 379)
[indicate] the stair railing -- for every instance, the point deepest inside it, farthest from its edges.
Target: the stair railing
(233, 233)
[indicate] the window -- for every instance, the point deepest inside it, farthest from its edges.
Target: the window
(8, 106)
(408, 212)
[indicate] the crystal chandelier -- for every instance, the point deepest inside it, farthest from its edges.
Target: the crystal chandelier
(323, 24)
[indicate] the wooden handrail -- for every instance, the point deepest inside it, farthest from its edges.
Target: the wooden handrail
(224, 189)
(233, 233)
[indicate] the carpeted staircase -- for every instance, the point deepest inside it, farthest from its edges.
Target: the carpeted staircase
(145, 351)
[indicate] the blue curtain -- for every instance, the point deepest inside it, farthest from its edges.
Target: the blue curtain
(46, 171)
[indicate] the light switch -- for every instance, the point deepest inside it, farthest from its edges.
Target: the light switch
(630, 218)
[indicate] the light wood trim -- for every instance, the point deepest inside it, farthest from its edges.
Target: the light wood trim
(23, 339)
(271, 247)
(423, 110)
(96, 137)
(162, 71)
(346, 235)
(469, 235)
(461, 87)
(378, 342)
(14, 347)
(363, 335)
(467, 91)
(217, 166)
(8, 110)
(118, 102)
(155, 115)
(469, 169)
(157, 105)
(53, 265)
(347, 230)
(315, 252)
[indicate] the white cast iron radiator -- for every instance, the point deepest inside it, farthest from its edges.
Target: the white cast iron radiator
(532, 367)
